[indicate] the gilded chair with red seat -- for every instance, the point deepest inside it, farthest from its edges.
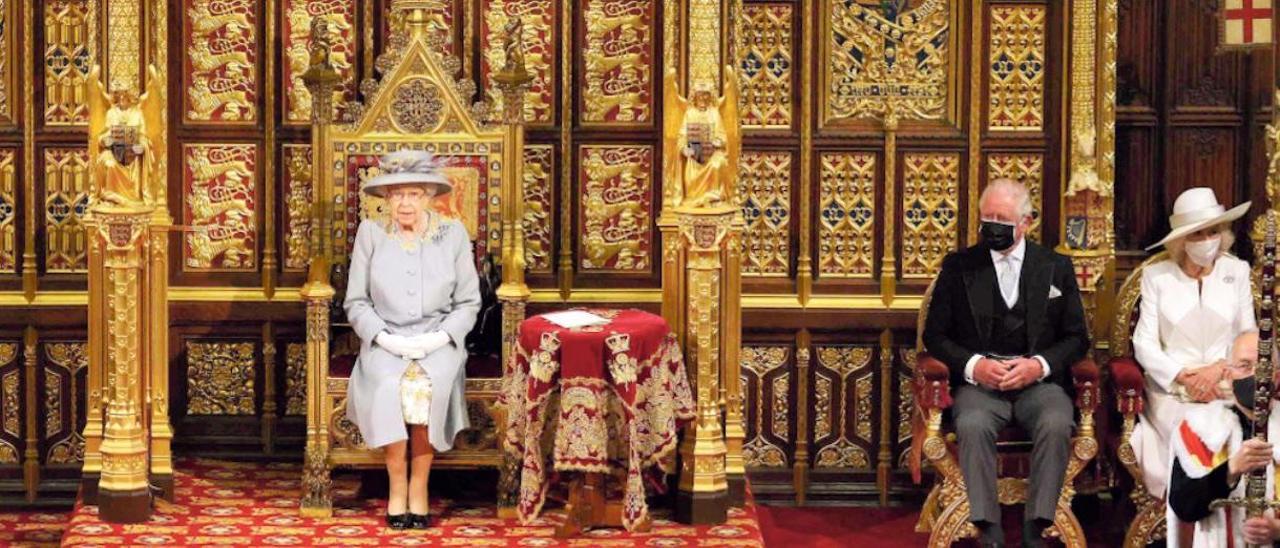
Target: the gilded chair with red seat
(417, 104)
(945, 515)
(1130, 393)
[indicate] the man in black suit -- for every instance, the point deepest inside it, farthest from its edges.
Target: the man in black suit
(1007, 320)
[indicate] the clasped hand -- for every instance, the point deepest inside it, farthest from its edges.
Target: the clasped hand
(412, 348)
(1005, 375)
(1201, 383)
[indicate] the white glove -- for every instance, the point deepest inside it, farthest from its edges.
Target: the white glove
(430, 342)
(399, 345)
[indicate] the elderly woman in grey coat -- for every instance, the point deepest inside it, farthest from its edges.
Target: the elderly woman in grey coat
(412, 297)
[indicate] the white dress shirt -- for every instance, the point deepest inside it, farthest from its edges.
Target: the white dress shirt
(1008, 267)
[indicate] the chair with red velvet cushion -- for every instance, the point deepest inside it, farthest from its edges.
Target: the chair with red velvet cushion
(945, 514)
(1127, 378)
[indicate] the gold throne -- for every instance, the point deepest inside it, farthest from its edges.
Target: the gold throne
(945, 515)
(417, 104)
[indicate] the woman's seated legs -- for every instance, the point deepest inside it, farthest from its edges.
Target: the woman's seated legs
(396, 475)
(420, 469)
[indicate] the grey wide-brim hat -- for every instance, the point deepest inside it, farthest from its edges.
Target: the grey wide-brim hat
(408, 167)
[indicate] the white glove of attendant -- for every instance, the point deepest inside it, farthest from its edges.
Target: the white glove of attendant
(430, 342)
(399, 345)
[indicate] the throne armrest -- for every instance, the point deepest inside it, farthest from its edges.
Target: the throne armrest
(1127, 376)
(931, 392)
(1087, 378)
(932, 384)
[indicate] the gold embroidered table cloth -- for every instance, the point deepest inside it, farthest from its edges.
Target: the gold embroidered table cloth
(614, 396)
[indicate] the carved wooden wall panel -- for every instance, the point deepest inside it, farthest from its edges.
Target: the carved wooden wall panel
(1017, 59)
(296, 24)
(220, 202)
(767, 388)
(617, 207)
(296, 190)
(221, 71)
(66, 62)
(10, 212)
(295, 359)
(8, 60)
(220, 378)
(859, 69)
(540, 27)
(847, 215)
(65, 369)
(766, 65)
(1188, 116)
(930, 212)
(11, 403)
(539, 208)
(764, 185)
(66, 200)
(618, 62)
(845, 383)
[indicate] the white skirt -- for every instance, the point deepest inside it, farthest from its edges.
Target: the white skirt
(415, 395)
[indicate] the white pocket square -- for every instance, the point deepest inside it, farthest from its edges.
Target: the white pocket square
(1054, 292)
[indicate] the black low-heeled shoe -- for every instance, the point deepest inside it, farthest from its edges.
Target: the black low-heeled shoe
(419, 521)
(398, 522)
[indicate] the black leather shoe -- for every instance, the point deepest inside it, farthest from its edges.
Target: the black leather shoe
(419, 521)
(398, 522)
(1033, 533)
(990, 535)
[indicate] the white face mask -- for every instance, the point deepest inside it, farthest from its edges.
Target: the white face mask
(1204, 252)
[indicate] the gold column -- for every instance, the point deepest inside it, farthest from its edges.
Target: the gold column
(321, 78)
(156, 292)
(730, 342)
(1088, 204)
(705, 233)
(514, 293)
(888, 263)
(156, 362)
(124, 494)
(95, 382)
(29, 267)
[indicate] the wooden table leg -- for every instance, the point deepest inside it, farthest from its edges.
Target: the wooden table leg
(588, 508)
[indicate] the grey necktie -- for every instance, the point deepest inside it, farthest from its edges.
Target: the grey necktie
(1008, 281)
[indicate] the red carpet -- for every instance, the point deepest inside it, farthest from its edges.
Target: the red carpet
(248, 504)
(32, 529)
(823, 527)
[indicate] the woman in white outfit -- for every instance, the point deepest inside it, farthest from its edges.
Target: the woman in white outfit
(1194, 305)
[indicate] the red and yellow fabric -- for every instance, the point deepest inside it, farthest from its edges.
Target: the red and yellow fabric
(614, 395)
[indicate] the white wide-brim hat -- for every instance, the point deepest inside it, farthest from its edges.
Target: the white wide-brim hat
(408, 167)
(1197, 208)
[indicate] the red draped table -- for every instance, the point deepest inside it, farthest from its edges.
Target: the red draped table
(615, 396)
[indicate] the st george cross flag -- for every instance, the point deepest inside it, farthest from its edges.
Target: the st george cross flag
(1246, 23)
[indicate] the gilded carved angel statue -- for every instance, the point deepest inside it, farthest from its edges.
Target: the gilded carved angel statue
(702, 141)
(128, 129)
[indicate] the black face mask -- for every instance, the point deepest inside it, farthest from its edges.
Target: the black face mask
(997, 236)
